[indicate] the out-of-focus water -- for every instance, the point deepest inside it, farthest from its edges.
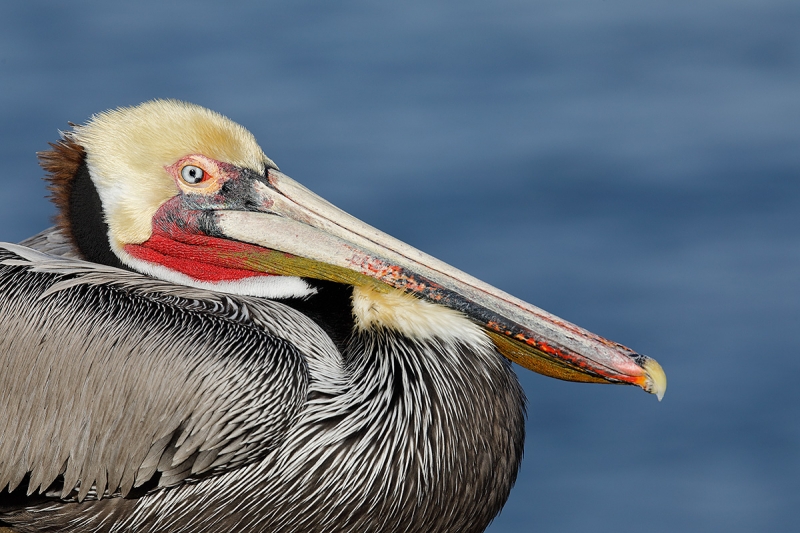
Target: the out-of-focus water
(630, 166)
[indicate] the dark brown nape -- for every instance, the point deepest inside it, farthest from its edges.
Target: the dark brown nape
(80, 211)
(61, 164)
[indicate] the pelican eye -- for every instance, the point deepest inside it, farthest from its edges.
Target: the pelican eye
(192, 174)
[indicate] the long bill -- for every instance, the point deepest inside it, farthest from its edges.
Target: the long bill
(309, 237)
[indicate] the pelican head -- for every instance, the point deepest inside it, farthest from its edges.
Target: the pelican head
(187, 195)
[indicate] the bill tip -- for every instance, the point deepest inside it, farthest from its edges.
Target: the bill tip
(656, 378)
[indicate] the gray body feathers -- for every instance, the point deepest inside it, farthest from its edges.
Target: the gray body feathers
(132, 404)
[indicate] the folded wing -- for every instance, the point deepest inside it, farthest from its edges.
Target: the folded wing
(110, 381)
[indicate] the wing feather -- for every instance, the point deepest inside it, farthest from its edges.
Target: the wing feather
(109, 381)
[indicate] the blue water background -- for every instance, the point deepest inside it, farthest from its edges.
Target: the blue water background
(631, 166)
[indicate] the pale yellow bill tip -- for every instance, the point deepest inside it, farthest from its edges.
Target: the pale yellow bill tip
(656, 378)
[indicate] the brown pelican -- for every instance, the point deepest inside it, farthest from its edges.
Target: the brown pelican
(203, 345)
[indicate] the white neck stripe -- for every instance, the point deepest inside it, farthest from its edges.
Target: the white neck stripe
(271, 287)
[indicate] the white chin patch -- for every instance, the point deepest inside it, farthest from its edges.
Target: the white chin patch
(272, 287)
